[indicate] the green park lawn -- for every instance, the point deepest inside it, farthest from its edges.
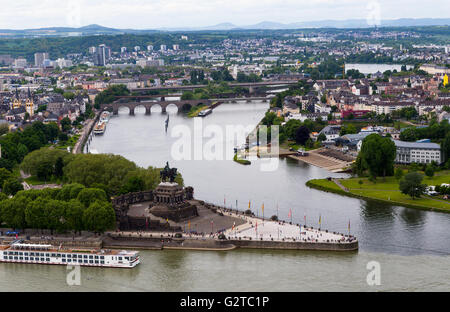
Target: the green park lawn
(388, 190)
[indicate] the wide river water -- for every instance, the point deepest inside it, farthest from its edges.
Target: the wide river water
(411, 246)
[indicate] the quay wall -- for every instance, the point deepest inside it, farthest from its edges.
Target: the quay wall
(255, 244)
(158, 242)
(80, 147)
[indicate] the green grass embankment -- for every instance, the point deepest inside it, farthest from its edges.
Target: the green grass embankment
(196, 110)
(241, 161)
(386, 191)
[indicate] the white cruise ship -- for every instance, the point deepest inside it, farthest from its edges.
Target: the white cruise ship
(104, 117)
(48, 254)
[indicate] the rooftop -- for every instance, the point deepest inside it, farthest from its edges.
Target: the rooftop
(416, 145)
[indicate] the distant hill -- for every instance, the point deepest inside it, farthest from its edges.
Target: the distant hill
(95, 29)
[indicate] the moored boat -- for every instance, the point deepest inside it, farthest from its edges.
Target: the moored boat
(205, 112)
(100, 128)
(104, 117)
(18, 252)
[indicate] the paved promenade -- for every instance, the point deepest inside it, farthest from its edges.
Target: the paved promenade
(256, 228)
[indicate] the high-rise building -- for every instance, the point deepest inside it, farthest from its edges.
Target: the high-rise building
(102, 55)
(149, 48)
(137, 48)
(176, 47)
(123, 50)
(163, 48)
(39, 59)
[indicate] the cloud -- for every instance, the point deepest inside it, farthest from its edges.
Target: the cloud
(146, 14)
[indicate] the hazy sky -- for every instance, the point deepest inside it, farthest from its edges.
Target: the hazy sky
(147, 14)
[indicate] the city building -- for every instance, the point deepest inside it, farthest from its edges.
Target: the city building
(102, 55)
(39, 59)
(417, 152)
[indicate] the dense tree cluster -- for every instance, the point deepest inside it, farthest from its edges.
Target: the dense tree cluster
(112, 173)
(221, 75)
(377, 156)
(406, 112)
(16, 145)
(72, 208)
(109, 95)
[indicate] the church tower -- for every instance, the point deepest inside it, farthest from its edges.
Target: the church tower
(17, 103)
(29, 104)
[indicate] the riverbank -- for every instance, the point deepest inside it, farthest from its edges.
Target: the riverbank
(319, 158)
(386, 191)
(87, 129)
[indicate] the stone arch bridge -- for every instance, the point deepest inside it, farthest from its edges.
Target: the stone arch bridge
(183, 104)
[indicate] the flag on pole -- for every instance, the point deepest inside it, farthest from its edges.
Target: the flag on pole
(236, 205)
(290, 213)
(249, 203)
(320, 220)
(305, 218)
(349, 226)
(189, 225)
(224, 201)
(263, 208)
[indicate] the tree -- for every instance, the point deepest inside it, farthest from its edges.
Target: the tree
(89, 195)
(36, 214)
(99, 217)
(74, 215)
(134, 184)
(66, 124)
(5, 174)
(412, 185)
(398, 173)
(59, 165)
(4, 128)
(13, 212)
(70, 191)
(446, 148)
(12, 186)
(377, 155)
(109, 95)
(429, 171)
(56, 211)
(302, 135)
(348, 129)
(322, 137)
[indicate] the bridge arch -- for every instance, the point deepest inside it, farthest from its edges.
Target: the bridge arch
(156, 108)
(186, 107)
(172, 107)
(121, 109)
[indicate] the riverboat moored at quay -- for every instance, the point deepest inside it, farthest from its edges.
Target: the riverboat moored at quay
(18, 252)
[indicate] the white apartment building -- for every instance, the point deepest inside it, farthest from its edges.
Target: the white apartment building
(415, 152)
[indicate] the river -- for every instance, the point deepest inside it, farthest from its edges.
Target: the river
(374, 68)
(411, 246)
